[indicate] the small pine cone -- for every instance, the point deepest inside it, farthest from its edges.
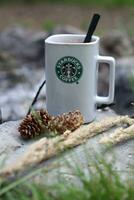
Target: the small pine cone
(34, 124)
(67, 121)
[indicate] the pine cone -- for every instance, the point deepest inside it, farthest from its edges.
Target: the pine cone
(34, 124)
(43, 116)
(40, 121)
(67, 121)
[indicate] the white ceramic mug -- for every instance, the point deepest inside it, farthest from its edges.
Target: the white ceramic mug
(72, 74)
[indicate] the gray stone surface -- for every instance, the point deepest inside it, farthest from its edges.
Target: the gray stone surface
(23, 43)
(11, 144)
(8, 138)
(21, 70)
(124, 86)
(12, 147)
(117, 44)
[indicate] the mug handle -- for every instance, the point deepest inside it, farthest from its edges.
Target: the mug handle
(111, 62)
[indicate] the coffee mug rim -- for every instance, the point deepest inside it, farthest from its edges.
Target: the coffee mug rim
(50, 41)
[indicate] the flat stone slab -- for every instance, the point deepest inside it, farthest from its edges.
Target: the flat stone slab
(12, 147)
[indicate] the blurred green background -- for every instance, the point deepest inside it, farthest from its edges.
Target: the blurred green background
(46, 14)
(79, 2)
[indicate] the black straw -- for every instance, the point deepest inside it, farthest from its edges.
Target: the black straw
(92, 27)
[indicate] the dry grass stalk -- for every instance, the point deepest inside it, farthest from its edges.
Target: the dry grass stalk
(120, 135)
(47, 148)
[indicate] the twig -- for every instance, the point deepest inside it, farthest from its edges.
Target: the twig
(36, 97)
(103, 106)
(1, 117)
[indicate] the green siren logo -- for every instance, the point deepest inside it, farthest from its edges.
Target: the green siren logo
(69, 69)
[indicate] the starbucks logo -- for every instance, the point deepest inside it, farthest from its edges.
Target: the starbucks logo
(69, 69)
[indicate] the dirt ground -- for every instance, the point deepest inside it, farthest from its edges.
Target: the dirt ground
(42, 15)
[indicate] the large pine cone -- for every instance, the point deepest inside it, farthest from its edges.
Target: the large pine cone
(34, 124)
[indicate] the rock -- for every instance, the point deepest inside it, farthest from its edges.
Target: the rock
(13, 147)
(103, 80)
(18, 88)
(28, 45)
(21, 59)
(9, 138)
(124, 90)
(15, 101)
(7, 61)
(23, 44)
(11, 142)
(124, 85)
(116, 44)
